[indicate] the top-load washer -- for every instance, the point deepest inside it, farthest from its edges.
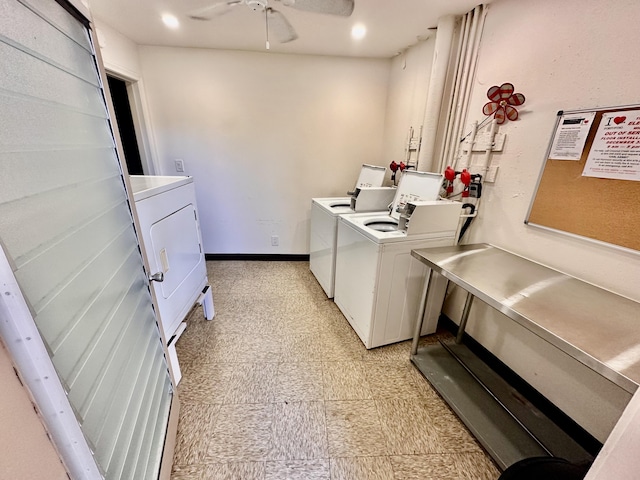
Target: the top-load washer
(369, 196)
(378, 283)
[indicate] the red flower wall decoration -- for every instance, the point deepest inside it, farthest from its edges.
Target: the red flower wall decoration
(502, 102)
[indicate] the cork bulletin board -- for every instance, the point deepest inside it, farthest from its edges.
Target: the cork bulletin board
(590, 181)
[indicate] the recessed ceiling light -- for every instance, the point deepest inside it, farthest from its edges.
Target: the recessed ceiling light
(358, 31)
(170, 20)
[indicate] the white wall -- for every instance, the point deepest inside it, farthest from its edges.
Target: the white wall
(618, 458)
(262, 134)
(407, 96)
(119, 54)
(562, 56)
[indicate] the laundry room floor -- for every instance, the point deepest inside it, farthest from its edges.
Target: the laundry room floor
(278, 386)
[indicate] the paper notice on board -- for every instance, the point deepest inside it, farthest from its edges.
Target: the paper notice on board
(615, 152)
(571, 135)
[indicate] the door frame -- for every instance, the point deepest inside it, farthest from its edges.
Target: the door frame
(139, 113)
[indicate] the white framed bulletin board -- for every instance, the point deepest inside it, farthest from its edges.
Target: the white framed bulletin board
(590, 180)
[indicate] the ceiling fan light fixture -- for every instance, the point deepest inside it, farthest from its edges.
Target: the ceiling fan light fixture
(274, 19)
(170, 21)
(256, 5)
(359, 31)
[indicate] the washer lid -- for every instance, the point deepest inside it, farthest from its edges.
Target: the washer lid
(416, 186)
(371, 176)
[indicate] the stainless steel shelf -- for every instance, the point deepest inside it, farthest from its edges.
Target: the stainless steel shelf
(505, 423)
(592, 325)
(595, 326)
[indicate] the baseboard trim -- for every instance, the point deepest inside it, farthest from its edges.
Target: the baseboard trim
(266, 257)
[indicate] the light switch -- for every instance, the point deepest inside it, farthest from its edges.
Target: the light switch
(179, 165)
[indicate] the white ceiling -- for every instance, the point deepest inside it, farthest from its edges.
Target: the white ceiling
(392, 25)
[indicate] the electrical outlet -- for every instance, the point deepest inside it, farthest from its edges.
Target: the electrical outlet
(179, 165)
(275, 240)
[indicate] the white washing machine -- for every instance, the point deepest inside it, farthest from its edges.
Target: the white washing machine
(324, 224)
(168, 218)
(378, 284)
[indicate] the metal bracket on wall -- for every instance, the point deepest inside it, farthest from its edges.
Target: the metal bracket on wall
(412, 148)
(481, 143)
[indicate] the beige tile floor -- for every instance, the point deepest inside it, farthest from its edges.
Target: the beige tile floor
(278, 386)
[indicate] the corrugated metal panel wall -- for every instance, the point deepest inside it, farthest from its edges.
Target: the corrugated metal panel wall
(66, 225)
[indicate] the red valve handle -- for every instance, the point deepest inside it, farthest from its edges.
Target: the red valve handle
(393, 166)
(402, 166)
(465, 177)
(450, 174)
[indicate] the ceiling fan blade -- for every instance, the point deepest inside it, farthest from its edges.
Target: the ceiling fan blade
(213, 10)
(280, 26)
(343, 8)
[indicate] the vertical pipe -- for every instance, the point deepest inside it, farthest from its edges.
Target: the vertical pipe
(445, 151)
(479, 14)
(468, 66)
(442, 54)
(453, 120)
(465, 87)
(456, 106)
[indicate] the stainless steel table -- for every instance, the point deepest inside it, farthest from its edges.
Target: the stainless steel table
(594, 326)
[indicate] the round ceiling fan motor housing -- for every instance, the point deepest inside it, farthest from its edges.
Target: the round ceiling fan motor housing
(256, 5)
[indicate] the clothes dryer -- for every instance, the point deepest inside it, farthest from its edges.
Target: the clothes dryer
(378, 284)
(169, 227)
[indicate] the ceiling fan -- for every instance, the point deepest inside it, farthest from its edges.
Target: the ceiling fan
(274, 19)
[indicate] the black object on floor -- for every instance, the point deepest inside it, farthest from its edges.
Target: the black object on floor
(547, 468)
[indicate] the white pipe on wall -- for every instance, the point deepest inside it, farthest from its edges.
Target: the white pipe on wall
(470, 34)
(454, 132)
(437, 84)
(445, 150)
(471, 56)
(469, 67)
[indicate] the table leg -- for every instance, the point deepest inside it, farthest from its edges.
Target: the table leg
(420, 319)
(465, 317)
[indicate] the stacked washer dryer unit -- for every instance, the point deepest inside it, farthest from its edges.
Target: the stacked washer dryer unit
(369, 196)
(169, 227)
(378, 283)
